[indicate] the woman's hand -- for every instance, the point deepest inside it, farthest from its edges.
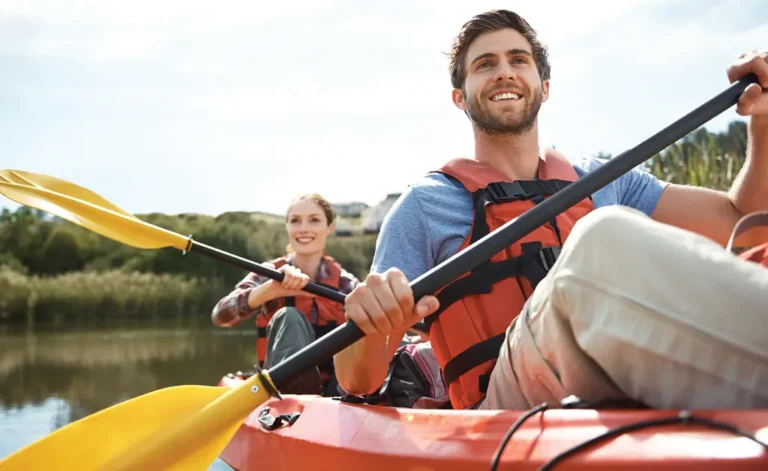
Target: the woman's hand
(293, 282)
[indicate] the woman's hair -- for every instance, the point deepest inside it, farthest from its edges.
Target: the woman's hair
(318, 200)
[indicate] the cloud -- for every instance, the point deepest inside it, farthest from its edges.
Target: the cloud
(237, 105)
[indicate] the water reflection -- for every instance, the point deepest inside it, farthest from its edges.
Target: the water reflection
(49, 378)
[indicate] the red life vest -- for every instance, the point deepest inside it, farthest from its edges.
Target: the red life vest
(758, 254)
(324, 314)
(476, 309)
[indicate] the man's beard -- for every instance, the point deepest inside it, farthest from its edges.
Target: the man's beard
(491, 125)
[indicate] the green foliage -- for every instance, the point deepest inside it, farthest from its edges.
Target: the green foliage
(83, 297)
(703, 158)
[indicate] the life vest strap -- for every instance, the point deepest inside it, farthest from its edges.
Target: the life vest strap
(533, 264)
(475, 355)
(322, 330)
(505, 192)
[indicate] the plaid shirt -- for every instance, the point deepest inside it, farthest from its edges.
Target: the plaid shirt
(233, 308)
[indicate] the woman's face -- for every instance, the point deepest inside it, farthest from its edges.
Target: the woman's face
(307, 228)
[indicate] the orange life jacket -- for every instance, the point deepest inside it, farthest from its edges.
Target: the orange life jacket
(758, 254)
(476, 309)
(324, 314)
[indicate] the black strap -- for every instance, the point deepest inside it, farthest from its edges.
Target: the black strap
(322, 330)
(261, 332)
(475, 355)
(504, 192)
(270, 422)
(290, 301)
(533, 264)
(479, 223)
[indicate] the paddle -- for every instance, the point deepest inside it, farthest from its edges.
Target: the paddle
(186, 427)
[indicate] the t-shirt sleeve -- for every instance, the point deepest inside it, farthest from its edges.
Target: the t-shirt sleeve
(640, 190)
(637, 188)
(404, 240)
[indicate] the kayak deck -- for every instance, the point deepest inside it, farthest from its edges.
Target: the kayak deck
(330, 434)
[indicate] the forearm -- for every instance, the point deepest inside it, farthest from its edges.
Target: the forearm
(749, 191)
(362, 367)
(261, 294)
(242, 303)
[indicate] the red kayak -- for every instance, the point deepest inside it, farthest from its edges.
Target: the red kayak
(311, 432)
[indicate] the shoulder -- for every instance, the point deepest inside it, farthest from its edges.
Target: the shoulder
(433, 209)
(636, 188)
(584, 165)
(425, 202)
(434, 186)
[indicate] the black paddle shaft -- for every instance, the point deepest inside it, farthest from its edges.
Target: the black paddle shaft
(254, 267)
(345, 335)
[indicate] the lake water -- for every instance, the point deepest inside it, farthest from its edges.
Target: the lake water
(51, 377)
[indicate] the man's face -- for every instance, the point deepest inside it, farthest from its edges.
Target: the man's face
(503, 90)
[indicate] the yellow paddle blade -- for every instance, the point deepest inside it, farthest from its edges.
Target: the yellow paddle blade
(85, 208)
(58, 185)
(177, 428)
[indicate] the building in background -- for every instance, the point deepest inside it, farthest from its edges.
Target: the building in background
(359, 218)
(353, 209)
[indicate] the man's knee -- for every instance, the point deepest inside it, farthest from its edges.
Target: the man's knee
(286, 315)
(606, 229)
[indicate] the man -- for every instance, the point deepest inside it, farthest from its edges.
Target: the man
(641, 303)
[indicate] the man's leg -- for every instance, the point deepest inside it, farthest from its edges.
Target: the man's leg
(288, 332)
(634, 308)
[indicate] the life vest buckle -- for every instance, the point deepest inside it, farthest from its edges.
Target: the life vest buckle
(548, 256)
(504, 192)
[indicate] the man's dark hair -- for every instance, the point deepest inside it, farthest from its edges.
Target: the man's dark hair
(494, 20)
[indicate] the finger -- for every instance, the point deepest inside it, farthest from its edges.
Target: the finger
(291, 280)
(748, 100)
(286, 278)
(303, 280)
(285, 270)
(370, 302)
(426, 306)
(760, 68)
(756, 63)
(402, 293)
(356, 314)
(385, 297)
(295, 278)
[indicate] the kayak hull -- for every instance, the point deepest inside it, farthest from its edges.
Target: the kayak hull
(330, 434)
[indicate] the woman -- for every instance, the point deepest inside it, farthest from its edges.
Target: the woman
(288, 319)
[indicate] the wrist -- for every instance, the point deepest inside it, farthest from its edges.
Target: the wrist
(273, 288)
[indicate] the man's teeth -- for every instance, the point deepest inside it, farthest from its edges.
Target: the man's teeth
(506, 96)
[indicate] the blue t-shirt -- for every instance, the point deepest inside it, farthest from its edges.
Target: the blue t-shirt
(431, 219)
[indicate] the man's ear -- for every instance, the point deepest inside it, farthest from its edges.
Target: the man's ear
(458, 99)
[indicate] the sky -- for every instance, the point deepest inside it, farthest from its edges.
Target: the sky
(179, 106)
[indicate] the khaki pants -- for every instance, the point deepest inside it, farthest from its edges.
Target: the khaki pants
(641, 310)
